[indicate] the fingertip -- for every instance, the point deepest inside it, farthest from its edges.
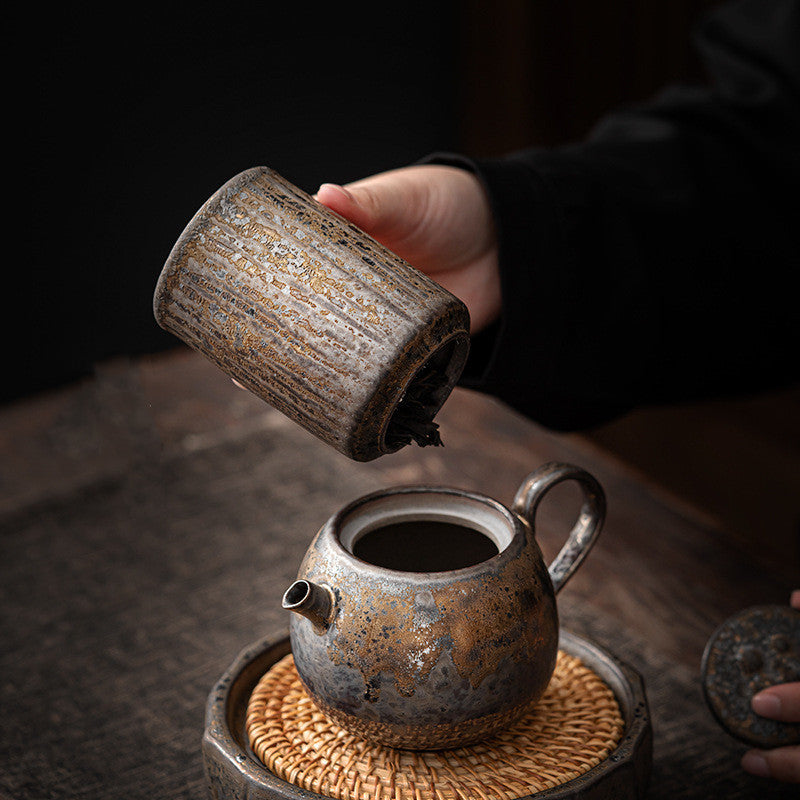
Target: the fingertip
(794, 600)
(781, 764)
(344, 202)
(334, 196)
(754, 762)
(767, 704)
(334, 190)
(337, 199)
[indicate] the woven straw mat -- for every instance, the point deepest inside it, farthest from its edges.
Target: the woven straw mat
(575, 725)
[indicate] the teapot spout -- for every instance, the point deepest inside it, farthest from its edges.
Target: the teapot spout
(314, 601)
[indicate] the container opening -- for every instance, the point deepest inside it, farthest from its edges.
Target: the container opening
(413, 418)
(424, 546)
(296, 594)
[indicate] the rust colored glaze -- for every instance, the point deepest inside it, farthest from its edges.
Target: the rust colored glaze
(429, 660)
(479, 619)
(312, 315)
(752, 650)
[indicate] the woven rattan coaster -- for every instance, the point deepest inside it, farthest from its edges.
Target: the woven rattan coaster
(574, 727)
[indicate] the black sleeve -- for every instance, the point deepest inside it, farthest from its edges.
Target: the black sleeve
(651, 263)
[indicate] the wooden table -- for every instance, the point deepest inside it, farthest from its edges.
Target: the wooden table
(153, 516)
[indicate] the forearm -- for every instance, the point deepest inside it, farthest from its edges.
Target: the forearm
(650, 263)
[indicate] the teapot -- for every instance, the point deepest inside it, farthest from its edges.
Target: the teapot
(425, 617)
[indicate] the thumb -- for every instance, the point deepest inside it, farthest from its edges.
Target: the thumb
(360, 211)
(386, 208)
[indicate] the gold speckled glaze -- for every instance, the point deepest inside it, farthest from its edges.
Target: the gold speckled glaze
(308, 312)
(430, 660)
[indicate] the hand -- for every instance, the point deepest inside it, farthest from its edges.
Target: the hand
(780, 702)
(438, 219)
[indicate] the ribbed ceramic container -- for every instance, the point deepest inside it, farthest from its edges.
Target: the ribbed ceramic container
(312, 315)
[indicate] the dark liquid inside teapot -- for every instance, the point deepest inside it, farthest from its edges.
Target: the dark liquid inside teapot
(424, 546)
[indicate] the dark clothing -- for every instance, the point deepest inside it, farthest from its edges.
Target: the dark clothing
(651, 263)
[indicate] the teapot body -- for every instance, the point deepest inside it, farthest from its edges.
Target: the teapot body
(425, 617)
(427, 660)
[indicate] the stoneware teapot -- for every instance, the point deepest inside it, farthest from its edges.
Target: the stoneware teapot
(425, 617)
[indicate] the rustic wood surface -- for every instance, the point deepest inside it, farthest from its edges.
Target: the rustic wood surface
(153, 516)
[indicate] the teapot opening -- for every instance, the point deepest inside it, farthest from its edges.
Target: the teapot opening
(424, 546)
(426, 530)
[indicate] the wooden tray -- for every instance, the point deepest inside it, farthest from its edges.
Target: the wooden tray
(234, 771)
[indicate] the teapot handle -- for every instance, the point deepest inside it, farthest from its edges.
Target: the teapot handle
(590, 520)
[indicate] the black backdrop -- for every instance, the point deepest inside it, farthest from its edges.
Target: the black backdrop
(142, 112)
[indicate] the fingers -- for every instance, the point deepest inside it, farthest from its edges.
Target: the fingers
(345, 204)
(783, 764)
(780, 702)
(435, 216)
(389, 205)
(438, 219)
(794, 600)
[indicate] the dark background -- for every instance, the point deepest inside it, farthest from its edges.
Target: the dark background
(142, 112)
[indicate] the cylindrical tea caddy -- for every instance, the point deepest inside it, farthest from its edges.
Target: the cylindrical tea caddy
(315, 317)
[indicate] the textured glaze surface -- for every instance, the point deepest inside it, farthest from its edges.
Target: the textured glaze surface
(309, 313)
(429, 660)
(586, 529)
(471, 647)
(750, 651)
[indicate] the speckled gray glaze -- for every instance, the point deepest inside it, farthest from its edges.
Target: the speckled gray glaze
(752, 650)
(314, 316)
(437, 659)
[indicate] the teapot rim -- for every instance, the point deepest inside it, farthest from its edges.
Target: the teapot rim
(509, 544)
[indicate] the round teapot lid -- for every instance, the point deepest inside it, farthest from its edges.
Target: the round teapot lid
(752, 650)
